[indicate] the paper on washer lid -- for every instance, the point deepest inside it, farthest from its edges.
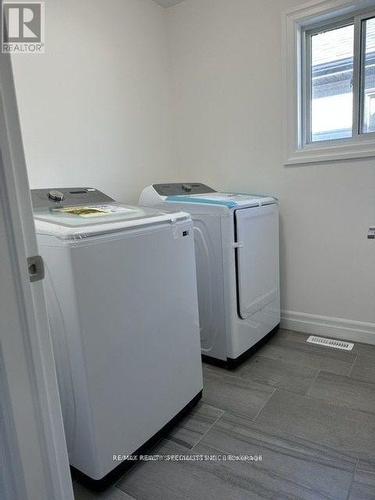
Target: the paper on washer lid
(94, 211)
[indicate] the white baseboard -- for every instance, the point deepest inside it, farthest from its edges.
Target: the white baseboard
(326, 326)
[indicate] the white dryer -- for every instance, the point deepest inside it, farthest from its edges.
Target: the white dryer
(122, 303)
(237, 258)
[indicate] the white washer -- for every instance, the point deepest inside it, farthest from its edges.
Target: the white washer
(237, 257)
(122, 302)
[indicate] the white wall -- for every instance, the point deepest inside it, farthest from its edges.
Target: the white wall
(95, 108)
(227, 101)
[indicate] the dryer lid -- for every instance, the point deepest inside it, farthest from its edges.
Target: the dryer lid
(229, 200)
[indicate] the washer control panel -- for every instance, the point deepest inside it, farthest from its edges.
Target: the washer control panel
(67, 197)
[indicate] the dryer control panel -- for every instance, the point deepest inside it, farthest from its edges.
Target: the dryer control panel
(184, 188)
(67, 197)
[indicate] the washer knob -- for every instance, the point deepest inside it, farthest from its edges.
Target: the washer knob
(186, 187)
(56, 195)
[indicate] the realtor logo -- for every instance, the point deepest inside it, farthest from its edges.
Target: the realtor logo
(23, 27)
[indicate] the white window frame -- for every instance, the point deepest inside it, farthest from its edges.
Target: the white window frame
(308, 18)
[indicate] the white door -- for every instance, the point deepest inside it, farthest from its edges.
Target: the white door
(257, 258)
(33, 456)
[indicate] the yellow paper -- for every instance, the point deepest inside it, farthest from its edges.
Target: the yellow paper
(86, 211)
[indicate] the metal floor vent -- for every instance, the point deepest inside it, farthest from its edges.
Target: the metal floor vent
(335, 344)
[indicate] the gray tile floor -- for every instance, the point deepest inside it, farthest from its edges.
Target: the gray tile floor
(309, 411)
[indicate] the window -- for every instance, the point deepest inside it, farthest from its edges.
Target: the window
(330, 82)
(335, 106)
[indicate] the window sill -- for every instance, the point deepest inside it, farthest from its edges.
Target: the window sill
(318, 153)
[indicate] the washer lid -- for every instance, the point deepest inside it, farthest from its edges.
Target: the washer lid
(229, 200)
(81, 221)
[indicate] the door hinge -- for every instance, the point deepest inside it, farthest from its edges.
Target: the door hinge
(35, 266)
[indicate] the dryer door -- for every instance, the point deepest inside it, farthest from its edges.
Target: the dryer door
(257, 231)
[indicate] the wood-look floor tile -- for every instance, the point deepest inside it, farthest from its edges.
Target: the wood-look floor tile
(158, 480)
(113, 493)
(193, 427)
(364, 368)
(361, 491)
(344, 391)
(363, 487)
(291, 464)
(228, 392)
(348, 431)
(277, 373)
(218, 479)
